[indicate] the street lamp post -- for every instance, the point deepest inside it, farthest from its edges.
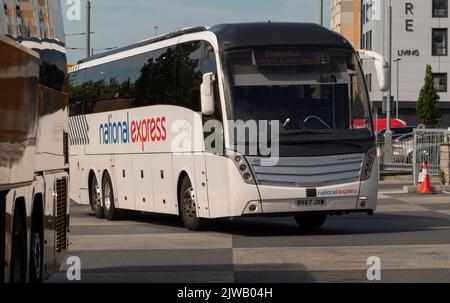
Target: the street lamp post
(321, 12)
(88, 28)
(388, 133)
(398, 86)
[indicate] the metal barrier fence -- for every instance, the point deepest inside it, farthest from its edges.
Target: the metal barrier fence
(400, 155)
(409, 152)
(427, 149)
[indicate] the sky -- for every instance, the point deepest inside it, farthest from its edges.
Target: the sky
(117, 23)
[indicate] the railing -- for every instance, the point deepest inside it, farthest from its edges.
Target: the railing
(427, 149)
(410, 151)
(400, 155)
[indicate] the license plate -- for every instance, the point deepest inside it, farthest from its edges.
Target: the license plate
(311, 203)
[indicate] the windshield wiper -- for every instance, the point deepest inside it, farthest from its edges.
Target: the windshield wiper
(346, 142)
(305, 132)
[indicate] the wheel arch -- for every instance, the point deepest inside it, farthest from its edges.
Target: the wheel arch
(20, 207)
(183, 174)
(38, 206)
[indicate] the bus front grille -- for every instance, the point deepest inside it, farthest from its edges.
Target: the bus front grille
(61, 215)
(308, 171)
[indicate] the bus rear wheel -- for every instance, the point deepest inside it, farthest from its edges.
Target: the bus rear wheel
(188, 207)
(18, 254)
(95, 198)
(110, 210)
(311, 221)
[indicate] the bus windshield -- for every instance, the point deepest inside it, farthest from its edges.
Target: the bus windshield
(309, 91)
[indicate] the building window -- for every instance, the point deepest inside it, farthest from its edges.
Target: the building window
(440, 82)
(440, 42)
(369, 40)
(369, 82)
(440, 8)
(363, 14)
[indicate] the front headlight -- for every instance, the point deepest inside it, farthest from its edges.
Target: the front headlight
(242, 166)
(368, 165)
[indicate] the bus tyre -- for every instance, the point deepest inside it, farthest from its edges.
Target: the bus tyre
(188, 207)
(111, 212)
(312, 221)
(18, 254)
(95, 199)
(36, 250)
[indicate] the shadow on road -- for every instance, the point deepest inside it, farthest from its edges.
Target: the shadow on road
(286, 226)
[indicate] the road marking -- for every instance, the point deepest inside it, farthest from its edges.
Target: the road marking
(92, 221)
(345, 258)
(445, 212)
(150, 241)
(383, 197)
(424, 200)
(400, 208)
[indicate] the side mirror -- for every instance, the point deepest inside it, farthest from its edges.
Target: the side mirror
(382, 68)
(384, 76)
(207, 94)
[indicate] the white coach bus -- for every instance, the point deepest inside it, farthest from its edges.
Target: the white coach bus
(127, 107)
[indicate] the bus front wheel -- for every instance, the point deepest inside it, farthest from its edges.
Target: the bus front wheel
(312, 221)
(188, 207)
(111, 212)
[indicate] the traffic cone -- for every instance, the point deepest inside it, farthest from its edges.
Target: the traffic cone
(424, 181)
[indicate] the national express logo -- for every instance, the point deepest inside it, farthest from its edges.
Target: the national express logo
(135, 131)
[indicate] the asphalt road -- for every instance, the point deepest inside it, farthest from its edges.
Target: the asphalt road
(410, 234)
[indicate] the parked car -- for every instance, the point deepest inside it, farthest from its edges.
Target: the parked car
(428, 149)
(402, 149)
(396, 133)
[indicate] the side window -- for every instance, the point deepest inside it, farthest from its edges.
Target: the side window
(95, 87)
(76, 80)
(208, 64)
(119, 81)
(195, 59)
(155, 83)
(189, 75)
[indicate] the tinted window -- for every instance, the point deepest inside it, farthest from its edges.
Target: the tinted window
(76, 80)
(189, 76)
(170, 76)
(156, 81)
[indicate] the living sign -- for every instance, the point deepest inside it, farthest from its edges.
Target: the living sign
(408, 53)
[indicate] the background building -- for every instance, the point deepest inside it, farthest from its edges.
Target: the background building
(419, 37)
(345, 19)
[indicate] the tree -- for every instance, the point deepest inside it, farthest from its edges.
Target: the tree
(427, 108)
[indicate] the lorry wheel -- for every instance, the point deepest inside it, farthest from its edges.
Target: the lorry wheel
(311, 221)
(36, 250)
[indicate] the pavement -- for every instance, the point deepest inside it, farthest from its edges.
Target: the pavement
(410, 234)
